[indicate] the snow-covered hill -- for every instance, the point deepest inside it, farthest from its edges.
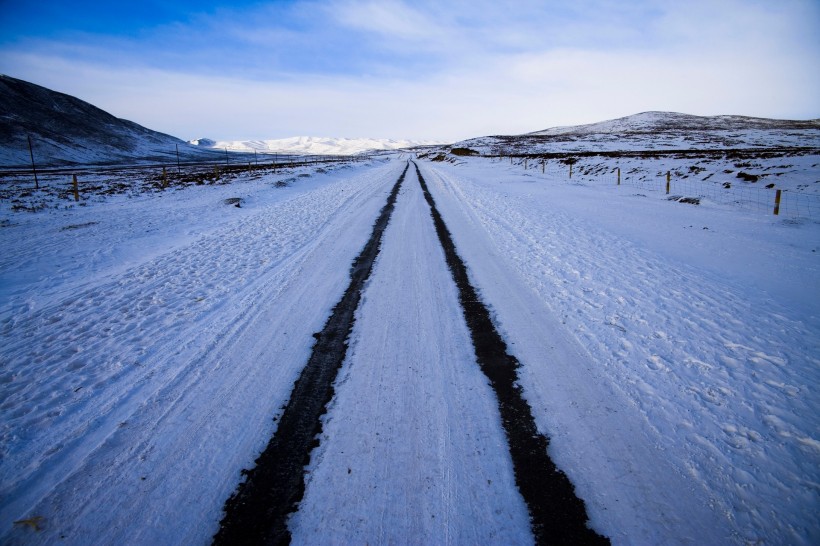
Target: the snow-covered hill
(723, 151)
(311, 145)
(655, 122)
(65, 130)
(658, 131)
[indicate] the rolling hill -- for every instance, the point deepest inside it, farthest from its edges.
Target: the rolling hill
(65, 130)
(659, 131)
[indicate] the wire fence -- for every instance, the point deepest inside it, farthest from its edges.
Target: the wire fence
(682, 187)
(235, 161)
(29, 190)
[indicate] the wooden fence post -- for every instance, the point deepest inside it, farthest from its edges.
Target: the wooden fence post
(543, 165)
(33, 168)
(76, 189)
(619, 176)
(777, 202)
(668, 179)
(525, 163)
(570, 170)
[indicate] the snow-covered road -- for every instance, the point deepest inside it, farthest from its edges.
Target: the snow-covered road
(412, 447)
(130, 407)
(148, 344)
(675, 379)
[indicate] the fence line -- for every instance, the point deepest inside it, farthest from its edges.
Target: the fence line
(79, 182)
(792, 203)
(163, 158)
(184, 168)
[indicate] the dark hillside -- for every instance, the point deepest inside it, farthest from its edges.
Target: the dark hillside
(66, 130)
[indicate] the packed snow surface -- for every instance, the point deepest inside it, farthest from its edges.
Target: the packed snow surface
(411, 353)
(669, 351)
(673, 344)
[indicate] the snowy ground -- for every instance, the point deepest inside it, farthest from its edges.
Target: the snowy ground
(411, 351)
(143, 364)
(670, 352)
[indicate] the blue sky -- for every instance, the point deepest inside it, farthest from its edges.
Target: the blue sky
(420, 69)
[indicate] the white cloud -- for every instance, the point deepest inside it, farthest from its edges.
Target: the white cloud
(389, 18)
(459, 69)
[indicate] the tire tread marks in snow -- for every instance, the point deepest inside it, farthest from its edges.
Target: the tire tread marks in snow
(257, 512)
(557, 515)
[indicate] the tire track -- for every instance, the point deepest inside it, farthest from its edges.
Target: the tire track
(412, 448)
(557, 515)
(257, 512)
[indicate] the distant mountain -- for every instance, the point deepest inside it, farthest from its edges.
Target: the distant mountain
(204, 142)
(311, 145)
(65, 130)
(658, 131)
(665, 122)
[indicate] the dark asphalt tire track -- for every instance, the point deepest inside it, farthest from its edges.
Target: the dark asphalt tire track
(257, 512)
(557, 515)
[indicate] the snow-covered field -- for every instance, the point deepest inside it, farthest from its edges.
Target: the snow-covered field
(146, 355)
(670, 351)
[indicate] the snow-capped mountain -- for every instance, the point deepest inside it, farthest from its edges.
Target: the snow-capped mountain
(65, 130)
(203, 142)
(658, 131)
(311, 145)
